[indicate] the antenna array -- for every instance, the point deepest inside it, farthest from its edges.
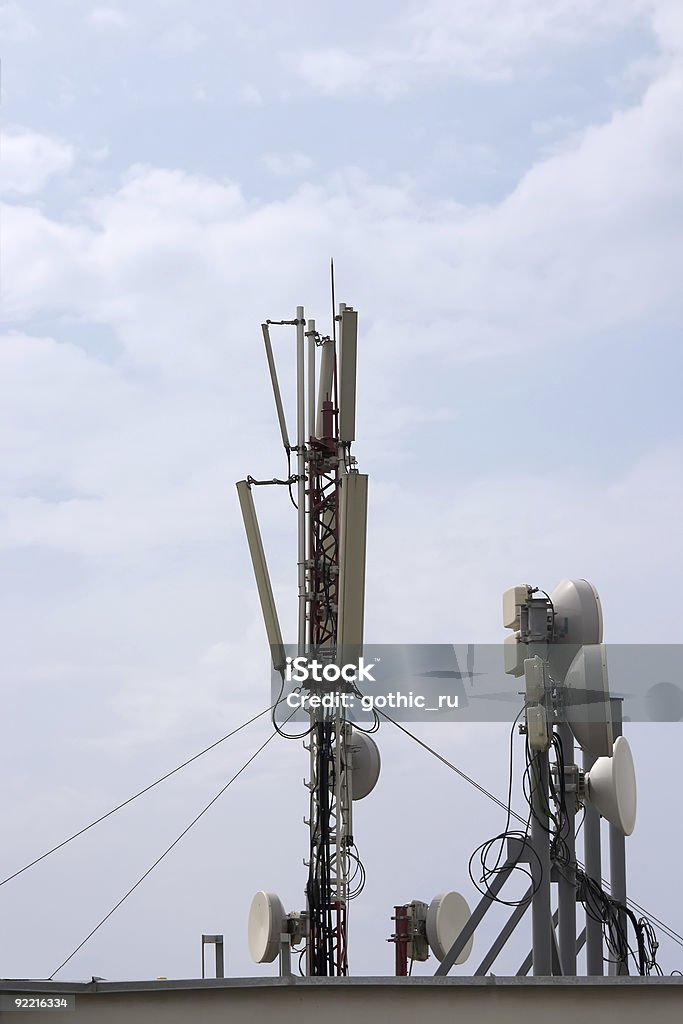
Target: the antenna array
(331, 528)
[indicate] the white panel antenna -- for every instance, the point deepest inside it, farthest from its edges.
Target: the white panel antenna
(348, 344)
(326, 385)
(353, 535)
(258, 560)
(276, 387)
(513, 600)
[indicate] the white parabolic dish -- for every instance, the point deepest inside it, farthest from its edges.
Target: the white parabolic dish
(611, 786)
(578, 612)
(588, 708)
(266, 924)
(366, 764)
(577, 620)
(447, 916)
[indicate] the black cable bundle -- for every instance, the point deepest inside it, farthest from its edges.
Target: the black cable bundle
(499, 845)
(598, 904)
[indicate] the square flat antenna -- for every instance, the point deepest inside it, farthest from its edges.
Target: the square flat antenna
(353, 516)
(325, 385)
(258, 560)
(348, 343)
(276, 387)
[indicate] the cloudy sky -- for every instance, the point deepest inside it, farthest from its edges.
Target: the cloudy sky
(499, 182)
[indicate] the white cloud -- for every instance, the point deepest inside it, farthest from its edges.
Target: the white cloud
(288, 164)
(15, 25)
(667, 21)
(485, 40)
(107, 460)
(250, 95)
(29, 159)
(109, 19)
(584, 243)
(180, 39)
(527, 525)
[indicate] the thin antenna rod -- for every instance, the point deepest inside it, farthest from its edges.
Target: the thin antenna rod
(301, 473)
(334, 306)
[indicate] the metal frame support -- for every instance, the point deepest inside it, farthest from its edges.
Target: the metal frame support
(301, 475)
(617, 851)
(217, 942)
(593, 866)
(322, 459)
(541, 914)
(566, 874)
(526, 965)
(400, 938)
(505, 933)
(285, 955)
(476, 916)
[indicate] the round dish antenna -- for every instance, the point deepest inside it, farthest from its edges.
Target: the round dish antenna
(267, 921)
(577, 620)
(366, 764)
(611, 787)
(447, 915)
(577, 612)
(587, 703)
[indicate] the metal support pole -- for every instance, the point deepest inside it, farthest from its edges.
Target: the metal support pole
(400, 938)
(301, 473)
(526, 966)
(617, 850)
(541, 914)
(593, 861)
(217, 942)
(285, 956)
(310, 332)
(475, 917)
(505, 933)
(566, 873)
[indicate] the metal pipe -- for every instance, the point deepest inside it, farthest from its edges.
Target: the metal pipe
(505, 933)
(301, 474)
(526, 966)
(541, 914)
(617, 851)
(566, 873)
(592, 856)
(310, 331)
(401, 941)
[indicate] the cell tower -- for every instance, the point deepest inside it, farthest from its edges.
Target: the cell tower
(556, 644)
(331, 502)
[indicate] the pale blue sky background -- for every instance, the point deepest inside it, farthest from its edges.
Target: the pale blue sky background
(500, 184)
